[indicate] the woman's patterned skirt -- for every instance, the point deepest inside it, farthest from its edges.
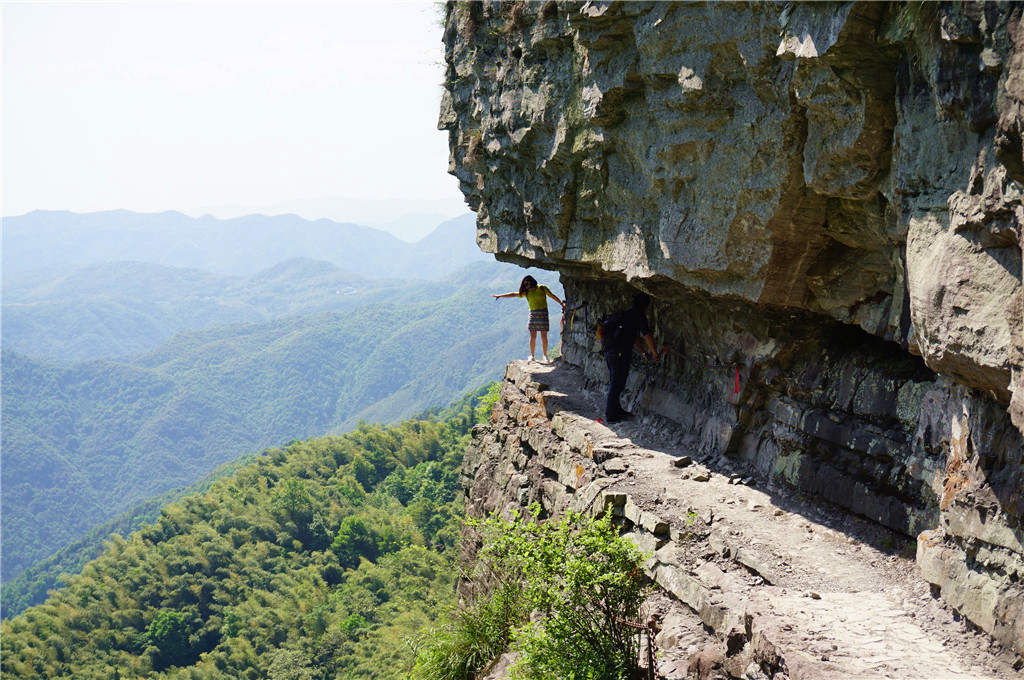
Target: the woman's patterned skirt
(538, 320)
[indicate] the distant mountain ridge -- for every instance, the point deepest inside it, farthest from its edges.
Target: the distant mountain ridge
(120, 308)
(117, 309)
(410, 219)
(239, 246)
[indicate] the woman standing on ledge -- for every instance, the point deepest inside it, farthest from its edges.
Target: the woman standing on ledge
(537, 297)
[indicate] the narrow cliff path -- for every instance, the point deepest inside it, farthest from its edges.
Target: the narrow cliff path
(790, 587)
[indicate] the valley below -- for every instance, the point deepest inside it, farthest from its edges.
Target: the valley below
(125, 381)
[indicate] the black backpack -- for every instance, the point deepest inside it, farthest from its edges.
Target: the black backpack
(612, 330)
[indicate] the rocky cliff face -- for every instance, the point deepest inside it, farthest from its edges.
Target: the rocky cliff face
(824, 200)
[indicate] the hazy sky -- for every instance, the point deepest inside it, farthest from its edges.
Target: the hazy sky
(152, 106)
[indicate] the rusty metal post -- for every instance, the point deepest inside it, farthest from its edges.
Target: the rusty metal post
(651, 673)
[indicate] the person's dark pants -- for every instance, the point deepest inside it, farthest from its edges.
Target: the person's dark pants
(618, 372)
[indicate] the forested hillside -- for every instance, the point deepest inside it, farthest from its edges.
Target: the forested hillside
(32, 585)
(323, 559)
(109, 307)
(86, 441)
(118, 308)
(115, 309)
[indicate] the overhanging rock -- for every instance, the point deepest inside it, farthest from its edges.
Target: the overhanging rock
(824, 196)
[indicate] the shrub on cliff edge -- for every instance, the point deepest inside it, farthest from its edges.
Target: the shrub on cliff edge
(582, 582)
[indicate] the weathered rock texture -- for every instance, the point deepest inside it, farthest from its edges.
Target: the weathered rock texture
(827, 194)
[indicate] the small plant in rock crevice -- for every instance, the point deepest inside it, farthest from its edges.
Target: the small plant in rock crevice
(514, 14)
(473, 146)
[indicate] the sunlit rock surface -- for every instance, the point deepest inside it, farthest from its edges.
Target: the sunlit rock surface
(827, 195)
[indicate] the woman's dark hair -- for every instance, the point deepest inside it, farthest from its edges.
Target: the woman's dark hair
(528, 283)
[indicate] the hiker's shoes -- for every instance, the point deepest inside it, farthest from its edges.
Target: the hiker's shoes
(545, 360)
(530, 358)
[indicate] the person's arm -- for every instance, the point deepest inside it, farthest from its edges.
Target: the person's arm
(554, 297)
(505, 295)
(650, 345)
(645, 333)
(652, 350)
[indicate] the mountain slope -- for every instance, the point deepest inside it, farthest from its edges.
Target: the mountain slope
(319, 560)
(112, 309)
(84, 442)
(32, 586)
(120, 308)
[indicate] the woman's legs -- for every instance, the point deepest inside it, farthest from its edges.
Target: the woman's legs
(544, 342)
(533, 342)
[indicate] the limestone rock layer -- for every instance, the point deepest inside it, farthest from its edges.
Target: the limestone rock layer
(824, 200)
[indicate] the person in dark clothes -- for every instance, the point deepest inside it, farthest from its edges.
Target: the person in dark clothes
(629, 328)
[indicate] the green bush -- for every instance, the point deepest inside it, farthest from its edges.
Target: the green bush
(168, 634)
(483, 408)
(473, 635)
(582, 581)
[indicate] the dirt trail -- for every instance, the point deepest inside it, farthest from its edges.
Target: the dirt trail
(802, 585)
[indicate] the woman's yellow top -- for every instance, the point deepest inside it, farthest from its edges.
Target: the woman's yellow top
(537, 297)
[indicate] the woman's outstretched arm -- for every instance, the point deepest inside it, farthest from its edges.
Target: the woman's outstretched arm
(501, 295)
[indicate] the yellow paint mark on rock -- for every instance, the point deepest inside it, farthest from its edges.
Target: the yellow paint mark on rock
(580, 473)
(957, 477)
